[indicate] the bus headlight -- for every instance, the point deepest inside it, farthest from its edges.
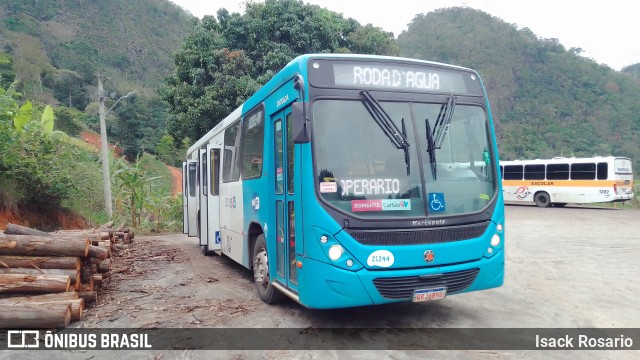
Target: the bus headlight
(495, 240)
(335, 251)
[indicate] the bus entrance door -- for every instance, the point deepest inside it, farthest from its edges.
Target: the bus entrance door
(204, 190)
(185, 209)
(213, 200)
(285, 238)
(192, 197)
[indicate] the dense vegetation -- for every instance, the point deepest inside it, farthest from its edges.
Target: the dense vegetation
(224, 60)
(546, 101)
(55, 49)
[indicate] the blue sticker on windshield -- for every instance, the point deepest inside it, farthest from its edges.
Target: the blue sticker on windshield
(436, 202)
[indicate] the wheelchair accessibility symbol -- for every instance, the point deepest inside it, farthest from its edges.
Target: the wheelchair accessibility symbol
(436, 202)
(217, 237)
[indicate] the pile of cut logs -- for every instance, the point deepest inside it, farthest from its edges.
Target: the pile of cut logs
(47, 278)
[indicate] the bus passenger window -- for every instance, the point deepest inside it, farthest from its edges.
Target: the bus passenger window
(253, 144)
(584, 171)
(231, 149)
(558, 172)
(513, 172)
(602, 170)
(534, 172)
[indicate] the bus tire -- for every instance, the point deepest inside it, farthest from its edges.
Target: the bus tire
(205, 249)
(267, 292)
(559, 204)
(542, 199)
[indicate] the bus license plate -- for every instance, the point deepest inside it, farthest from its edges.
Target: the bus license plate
(429, 294)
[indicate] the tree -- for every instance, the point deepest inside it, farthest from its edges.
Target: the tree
(223, 61)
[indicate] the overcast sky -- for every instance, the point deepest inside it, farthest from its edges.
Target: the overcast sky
(607, 31)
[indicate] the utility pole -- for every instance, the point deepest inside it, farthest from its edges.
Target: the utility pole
(106, 176)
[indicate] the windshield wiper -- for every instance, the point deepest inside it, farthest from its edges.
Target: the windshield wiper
(431, 148)
(436, 137)
(441, 127)
(398, 138)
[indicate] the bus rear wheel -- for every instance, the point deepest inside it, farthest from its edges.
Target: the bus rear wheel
(542, 199)
(267, 292)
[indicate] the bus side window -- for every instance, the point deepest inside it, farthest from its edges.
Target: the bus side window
(583, 171)
(513, 172)
(602, 171)
(558, 172)
(534, 172)
(231, 155)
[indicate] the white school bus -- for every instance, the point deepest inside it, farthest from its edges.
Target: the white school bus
(560, 180)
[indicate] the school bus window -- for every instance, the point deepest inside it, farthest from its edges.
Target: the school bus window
(513, 172)
(602, 171)
(534, 172)
(558, 172)
(583, 171)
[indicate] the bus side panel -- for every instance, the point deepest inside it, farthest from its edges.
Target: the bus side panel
(232, 221)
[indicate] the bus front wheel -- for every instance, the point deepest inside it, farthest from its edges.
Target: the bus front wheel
(542, 200)
(267, 292)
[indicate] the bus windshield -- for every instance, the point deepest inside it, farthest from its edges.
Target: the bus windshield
(362, 173)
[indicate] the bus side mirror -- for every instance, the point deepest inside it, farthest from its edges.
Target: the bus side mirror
(300, 124)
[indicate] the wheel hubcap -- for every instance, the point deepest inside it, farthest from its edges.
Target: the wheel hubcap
(260, 272)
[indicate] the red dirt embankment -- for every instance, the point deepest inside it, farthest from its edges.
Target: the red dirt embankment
(42, 217)
(176, 174)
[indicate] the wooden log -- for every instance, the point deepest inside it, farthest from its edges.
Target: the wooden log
(18, 283)
(89, 296)
(74, 275)
(76, 305)
(89, 286)
(98, 252)
(104, 266)
(42, 246)
(13, 229)
(97, 280)
(34, 316)
(105, 235)
(43, 262)
(67, 295)
(86, 275)
(91, 236)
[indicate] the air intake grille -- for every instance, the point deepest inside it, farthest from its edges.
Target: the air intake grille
(403, 287)
(414, 237)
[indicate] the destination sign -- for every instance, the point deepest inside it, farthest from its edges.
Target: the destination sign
(392, 76)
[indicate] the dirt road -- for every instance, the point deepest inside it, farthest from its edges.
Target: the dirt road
(569, 267)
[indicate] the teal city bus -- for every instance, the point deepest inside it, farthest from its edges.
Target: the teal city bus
(351, 180)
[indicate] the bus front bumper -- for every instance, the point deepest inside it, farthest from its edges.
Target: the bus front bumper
(327, 286)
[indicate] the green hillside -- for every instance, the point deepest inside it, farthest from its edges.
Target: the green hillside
(54, 50)
(546, 100)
